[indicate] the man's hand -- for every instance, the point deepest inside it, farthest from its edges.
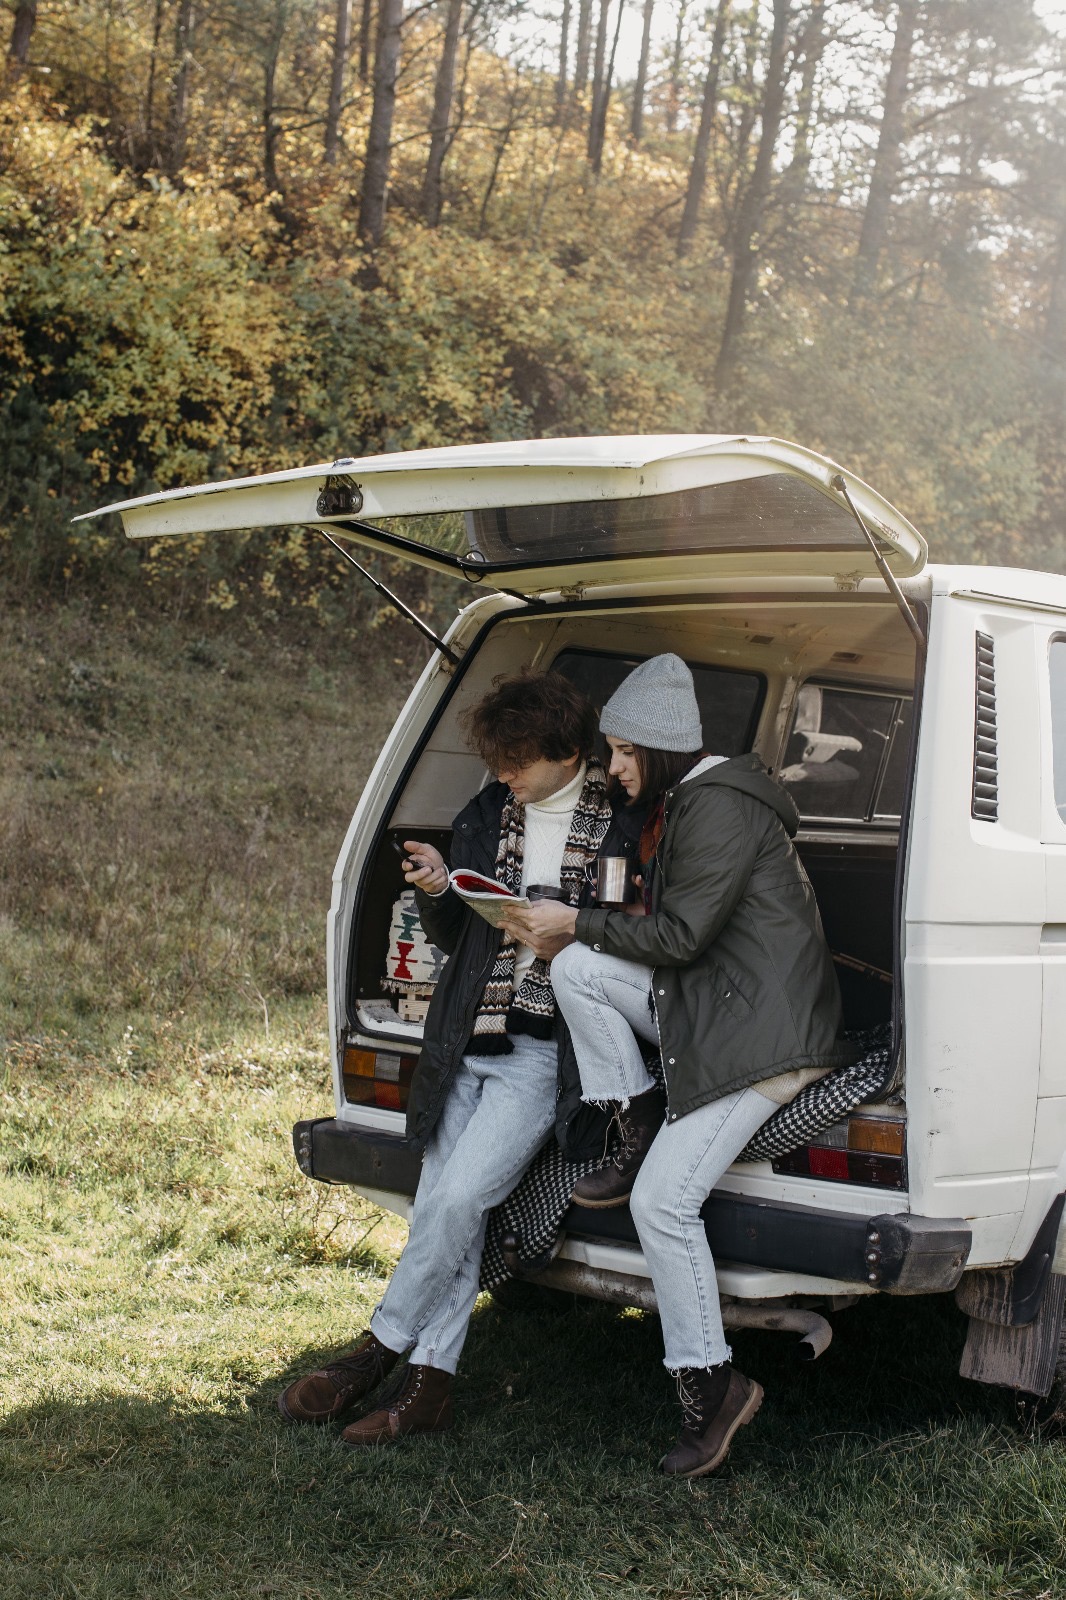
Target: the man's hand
(424, 867)
(547, 927)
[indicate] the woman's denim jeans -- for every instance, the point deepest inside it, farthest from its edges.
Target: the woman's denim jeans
(607, 1006)
(606, 1003)
(496, 1116)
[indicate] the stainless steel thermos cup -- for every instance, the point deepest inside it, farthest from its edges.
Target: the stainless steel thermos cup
(613, 885)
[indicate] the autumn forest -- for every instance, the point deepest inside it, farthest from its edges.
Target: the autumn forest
(250, 234)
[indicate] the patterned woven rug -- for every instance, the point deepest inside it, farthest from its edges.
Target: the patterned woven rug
(534, 1210)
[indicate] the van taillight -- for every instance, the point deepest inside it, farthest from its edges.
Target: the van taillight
(377, 1078)
(866, 1150)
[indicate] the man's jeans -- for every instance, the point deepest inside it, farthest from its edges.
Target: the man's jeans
(606, 1003)
(496, 1116)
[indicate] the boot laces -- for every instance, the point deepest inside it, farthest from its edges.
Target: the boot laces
(627, 1130)
(691, 1401)
(341, 1372)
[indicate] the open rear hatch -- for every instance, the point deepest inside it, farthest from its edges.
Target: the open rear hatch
(546, 515)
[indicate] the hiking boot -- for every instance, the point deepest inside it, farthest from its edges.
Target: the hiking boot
(638, 1123)
(422, 1404)
(337, 1387)
(715, 1402)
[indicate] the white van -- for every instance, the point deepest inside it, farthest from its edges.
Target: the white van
(917, 714)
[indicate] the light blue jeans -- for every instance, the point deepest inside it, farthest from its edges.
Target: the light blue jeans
(606, 1005)
(496, 1116)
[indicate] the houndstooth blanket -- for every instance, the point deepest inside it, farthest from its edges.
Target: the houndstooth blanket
(534, 1210)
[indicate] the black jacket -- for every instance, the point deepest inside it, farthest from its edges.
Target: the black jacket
(470, 944)
(744, 981)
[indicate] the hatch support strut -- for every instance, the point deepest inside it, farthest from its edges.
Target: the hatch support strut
(393, 599)
(837, 482)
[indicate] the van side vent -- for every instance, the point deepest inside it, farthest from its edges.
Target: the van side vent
(985, 805)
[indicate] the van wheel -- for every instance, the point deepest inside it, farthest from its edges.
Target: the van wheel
(531, 1299)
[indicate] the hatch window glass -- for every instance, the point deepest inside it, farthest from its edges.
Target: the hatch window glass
(729, 701)
(1057, 665)
(846, 756)
(778, 511)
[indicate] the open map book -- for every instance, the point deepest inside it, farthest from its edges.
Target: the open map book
(485, 896)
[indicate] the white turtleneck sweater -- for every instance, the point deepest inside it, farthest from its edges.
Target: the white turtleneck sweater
(547, 827)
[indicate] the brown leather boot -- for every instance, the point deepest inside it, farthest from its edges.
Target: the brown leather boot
(715, 1402)
(335, 1388)
(638, 1124)
(422, 1404)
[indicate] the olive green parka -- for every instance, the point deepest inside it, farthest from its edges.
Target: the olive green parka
(744, 986)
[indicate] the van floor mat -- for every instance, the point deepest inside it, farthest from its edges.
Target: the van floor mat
(828, 1099)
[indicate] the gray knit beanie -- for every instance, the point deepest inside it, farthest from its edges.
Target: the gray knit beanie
(656, 707)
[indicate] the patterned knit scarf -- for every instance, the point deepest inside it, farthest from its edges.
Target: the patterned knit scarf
(531, 1009)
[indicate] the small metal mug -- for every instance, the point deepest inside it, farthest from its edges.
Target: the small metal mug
(613, 883)
(545, 891)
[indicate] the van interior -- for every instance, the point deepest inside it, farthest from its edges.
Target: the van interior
(820, 687)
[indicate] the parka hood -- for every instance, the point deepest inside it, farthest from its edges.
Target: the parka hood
(747, 774)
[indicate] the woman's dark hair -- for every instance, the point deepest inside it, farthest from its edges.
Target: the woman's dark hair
(530, 717)
(660, 770)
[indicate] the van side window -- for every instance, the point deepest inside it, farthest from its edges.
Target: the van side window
(729, 701)
(1057, 672)
(846, 755)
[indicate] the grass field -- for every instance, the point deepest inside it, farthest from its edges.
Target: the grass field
(171, 807)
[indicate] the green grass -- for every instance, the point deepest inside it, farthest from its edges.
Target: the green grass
(164, 1268)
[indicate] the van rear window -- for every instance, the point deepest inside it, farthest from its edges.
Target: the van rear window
(776, 512)
(729, 701)
(846, 756)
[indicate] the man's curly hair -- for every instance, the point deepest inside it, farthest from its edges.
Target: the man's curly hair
(529, 717)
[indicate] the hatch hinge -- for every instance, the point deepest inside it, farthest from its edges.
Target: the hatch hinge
(394, 600)
(837, 482)
(341, 497)
(575, 591)
(848, 582)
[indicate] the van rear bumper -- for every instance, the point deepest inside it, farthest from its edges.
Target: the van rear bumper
(901, 1253)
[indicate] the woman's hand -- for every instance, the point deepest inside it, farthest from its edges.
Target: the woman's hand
(424, 867)
(547, 927)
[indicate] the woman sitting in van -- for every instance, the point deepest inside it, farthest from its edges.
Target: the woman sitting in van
(729, 971)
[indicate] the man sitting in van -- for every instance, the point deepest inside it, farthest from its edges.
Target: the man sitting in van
(497, 1071)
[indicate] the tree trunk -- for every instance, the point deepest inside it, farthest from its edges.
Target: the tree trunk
(179, 102)
(432, 197)
(598, 64)
(18, 50)
(503, 139)
(336, 78)
(151, 155)
(366, 19)
(561, 82)
(752, 206)
(1055, 316)
(379, 138)
(598, 127)
(673, 96)
(271, 131)
(697, 177)
(636, 121)
(581, 55)
(886, 160)
(813, 48)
